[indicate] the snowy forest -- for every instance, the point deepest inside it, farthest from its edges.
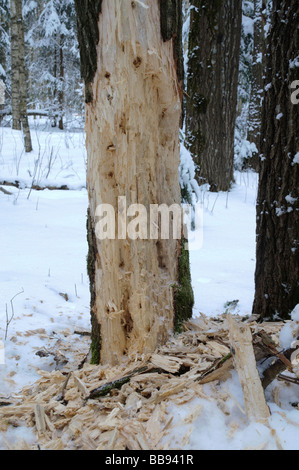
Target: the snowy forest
(149, 204)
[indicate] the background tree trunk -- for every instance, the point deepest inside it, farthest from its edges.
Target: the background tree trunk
(277, 270)
(61, 84)
(212, 89)
(141, 288)
(15, 67)
(257, 82)
(19, 82)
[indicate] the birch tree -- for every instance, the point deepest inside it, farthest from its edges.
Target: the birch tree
(18, 73)
(53, 58)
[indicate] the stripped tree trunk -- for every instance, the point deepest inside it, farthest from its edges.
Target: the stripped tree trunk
(131, 60)
(277, 268)
(19, 84)
(212, 89)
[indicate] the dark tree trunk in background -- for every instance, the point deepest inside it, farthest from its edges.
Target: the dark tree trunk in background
(131, 61)
(257, 83)
(277, 269)
(212, 88)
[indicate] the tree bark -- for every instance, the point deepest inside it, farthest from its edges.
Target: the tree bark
(132, 65)
(61, 84)
(19, 84)
(257, 82)
(277, 268)
(15, 67)
(212, 87)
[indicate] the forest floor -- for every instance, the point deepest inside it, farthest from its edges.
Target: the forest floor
(44, 299)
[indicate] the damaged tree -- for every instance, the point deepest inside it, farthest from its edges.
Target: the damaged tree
(131, 61)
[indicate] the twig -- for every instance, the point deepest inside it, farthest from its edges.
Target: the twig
(286, 378)
(61, 395)
(103, 390)
(5, 192)
(9, 320)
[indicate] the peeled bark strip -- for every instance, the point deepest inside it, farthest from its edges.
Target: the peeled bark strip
(244, 358)
(132, 122)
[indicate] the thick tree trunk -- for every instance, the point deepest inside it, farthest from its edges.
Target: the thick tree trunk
(19, 84)
(131, 62)
(214, 52)
(277, 270)
(257, 83)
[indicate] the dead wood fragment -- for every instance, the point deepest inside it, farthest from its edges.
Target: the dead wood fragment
(241, 341)
(281, 364)
(135, 415)
(272, 347)
(219, 371)
(5, 192)
(103, 390)
(40, 420)
(35, 187)
(5, 402)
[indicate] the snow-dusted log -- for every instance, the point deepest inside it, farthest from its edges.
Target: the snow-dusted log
(241, 341)
(140, 288)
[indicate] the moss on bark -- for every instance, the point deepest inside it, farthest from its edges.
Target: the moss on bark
(183, 292)
(91, 269)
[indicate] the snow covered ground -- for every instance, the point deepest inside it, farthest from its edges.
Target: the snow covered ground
(44, 291)
(223, 269)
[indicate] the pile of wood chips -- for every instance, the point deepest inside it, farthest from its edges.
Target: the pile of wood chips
(126, 407)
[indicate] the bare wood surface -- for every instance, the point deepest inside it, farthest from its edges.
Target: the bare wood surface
(245, 363)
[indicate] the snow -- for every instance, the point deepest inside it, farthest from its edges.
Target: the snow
(290, 199)
(248, 25)
(290, 331)
(295, 314)
(43, 253)
(58, 159)
(296, 158)
(44, 288)
(223, 269)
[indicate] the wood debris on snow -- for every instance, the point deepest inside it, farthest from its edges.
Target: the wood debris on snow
(127, 406)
